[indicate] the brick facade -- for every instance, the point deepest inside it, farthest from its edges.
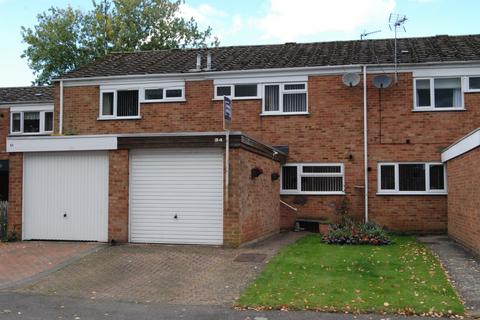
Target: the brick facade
(464, 200)
(332, 132)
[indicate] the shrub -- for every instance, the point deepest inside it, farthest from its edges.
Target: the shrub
(356, 233)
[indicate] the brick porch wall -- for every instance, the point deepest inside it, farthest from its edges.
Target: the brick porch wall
(464, 199)
(253, 209)
(118, 195)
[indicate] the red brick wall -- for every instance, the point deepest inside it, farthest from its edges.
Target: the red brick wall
(15, 194)
(253, 209)
(118, 195)
(464, 199)
(332, 132)
(288, 216)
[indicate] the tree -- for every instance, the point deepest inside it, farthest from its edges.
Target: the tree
(65, 39)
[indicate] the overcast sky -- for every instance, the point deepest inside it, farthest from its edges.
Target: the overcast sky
(238, 22)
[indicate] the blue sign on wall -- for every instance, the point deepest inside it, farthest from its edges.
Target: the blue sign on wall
(227, 112)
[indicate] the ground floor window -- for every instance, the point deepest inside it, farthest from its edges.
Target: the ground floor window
(313, 178)
(411, 178)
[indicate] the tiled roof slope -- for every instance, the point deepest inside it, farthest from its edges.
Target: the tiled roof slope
(411, 50)
(26, 94)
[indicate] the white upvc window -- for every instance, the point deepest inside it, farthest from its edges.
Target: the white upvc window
(313, 178)
(438, 94)
(162, 94)
(119, 104)
(472, 84)
(31, 122)
(237, 91)
(412, 178)
(285, 98)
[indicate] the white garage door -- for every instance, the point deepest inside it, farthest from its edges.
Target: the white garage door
(66, 196)
(176, 196)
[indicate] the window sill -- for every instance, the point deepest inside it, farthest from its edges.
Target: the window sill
(437, 109)
(163, 101)
(312, 193)
(119, 118)
(412, 193)
(264, 114)
(16, 134)
(237, 98)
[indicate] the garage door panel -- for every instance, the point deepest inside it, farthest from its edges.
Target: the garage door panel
(66, 196)
(187, 183)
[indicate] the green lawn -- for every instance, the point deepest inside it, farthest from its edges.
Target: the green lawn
(402, 278)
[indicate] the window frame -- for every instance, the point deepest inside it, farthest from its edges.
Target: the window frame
(432, 106)
(142, 98)
(232, 91)
(115, 97)
(41, 128)
(467, 84)
(301, 174)
(396, 190)
(282, 91)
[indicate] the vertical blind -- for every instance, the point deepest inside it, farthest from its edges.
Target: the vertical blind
(127, 103)
(272, 98)
(412, 177)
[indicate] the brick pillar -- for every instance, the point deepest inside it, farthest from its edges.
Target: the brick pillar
(15, 192)
(231, 223)
(118, 195)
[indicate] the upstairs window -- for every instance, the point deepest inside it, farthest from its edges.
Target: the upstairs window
(237, 91)
(411, 178)
(473, 84)
(312, 179)
(31, 122)
(119, 104)
(163, 94)
(285, 98)
(436, 94)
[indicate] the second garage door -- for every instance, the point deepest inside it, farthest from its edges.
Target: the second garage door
(176, 196)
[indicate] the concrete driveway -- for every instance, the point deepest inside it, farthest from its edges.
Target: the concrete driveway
(186, 275)
(22, 262)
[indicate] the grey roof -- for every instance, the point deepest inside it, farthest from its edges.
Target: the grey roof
(356, 52)
(26, 95)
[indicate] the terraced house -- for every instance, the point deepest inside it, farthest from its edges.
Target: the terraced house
(131, 147)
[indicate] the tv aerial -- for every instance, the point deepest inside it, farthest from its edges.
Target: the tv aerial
(366, 34)
(396, 22)
(351, 79)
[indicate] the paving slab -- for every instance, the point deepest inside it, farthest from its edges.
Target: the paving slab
(462, 268)
(166, 274)
(21, 262)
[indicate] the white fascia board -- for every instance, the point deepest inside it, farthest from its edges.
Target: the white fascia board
(31, 107)
(116, 85)
(263, 79)
(465, 144)
(61, 143)
(469, 70)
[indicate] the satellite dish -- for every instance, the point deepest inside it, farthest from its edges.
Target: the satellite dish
(382, 81)
(351, 79)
